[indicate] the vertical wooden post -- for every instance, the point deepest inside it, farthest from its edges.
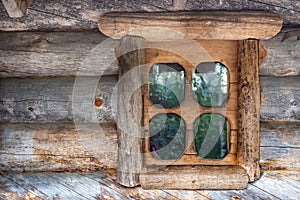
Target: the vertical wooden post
(249, 103)
(131, 54)
(179, 4)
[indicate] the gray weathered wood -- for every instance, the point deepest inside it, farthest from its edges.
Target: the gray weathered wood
(131, 57)
(16, 8)
(222, 25)
(56, 99)
(196, 178)
(50, 99)
(84, 53)
(45, 15)
(279, 185)
(57, 147)
(179, 4)
(28, 54)
(283, 57)
(249, 108)
(280, 99)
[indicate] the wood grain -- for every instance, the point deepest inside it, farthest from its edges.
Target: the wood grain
(33, 147)
(16, 8)
(51, 99)
(27, 54)
(131, 55)
(196, 25)
(84, 16)
(249, 108)
(203, 177)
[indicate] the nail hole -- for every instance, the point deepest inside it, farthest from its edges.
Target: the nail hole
(97, 103)
(294, 103)
(30, 109)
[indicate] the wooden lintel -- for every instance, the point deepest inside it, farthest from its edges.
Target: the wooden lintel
(225, 25)
(16, 8)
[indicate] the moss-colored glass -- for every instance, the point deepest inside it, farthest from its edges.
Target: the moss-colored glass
(167, 136)
(166, 84)
(210, 136)
(210, 84)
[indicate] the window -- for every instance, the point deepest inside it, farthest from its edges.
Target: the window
(164, 139)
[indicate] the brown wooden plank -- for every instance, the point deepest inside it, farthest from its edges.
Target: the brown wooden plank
(203, 177)
(201, 25)
(249, 105)
(131, 55)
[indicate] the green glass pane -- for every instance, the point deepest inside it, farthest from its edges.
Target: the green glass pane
(167, 136)
(210, 84)
(210, 136)
(166, 84)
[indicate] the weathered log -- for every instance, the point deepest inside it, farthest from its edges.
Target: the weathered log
(71, 54)
(131, 57)
(84, 16)
(28, 54)
(16, 8)
(197, 178)
(196, 25)
(63, 147)
(69, 99)
(57, 147)
(272, 185)
(249, 108)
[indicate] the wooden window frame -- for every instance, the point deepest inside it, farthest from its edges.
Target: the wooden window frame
(131, 53)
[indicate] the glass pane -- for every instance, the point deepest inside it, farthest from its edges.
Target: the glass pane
(210, 132)
(166, 84)
(210, 84)
(167, 136)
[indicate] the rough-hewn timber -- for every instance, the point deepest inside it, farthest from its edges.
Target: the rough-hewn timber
(28, 54)
(196, 178)
(249, 108)
(223, 25)
(34, 147)
(83, 15)
(60, 100)
(131, 56)
(272, 185)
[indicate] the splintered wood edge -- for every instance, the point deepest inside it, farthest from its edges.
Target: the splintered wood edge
(159, 26)
(196, 178)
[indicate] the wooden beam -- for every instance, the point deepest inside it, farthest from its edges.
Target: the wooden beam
(200, 177)
(27, 54)
(131, 55)
(196, 25)
(16, 8)
(62, 147)
(249, 108)
(179, 4)
(50, 99)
